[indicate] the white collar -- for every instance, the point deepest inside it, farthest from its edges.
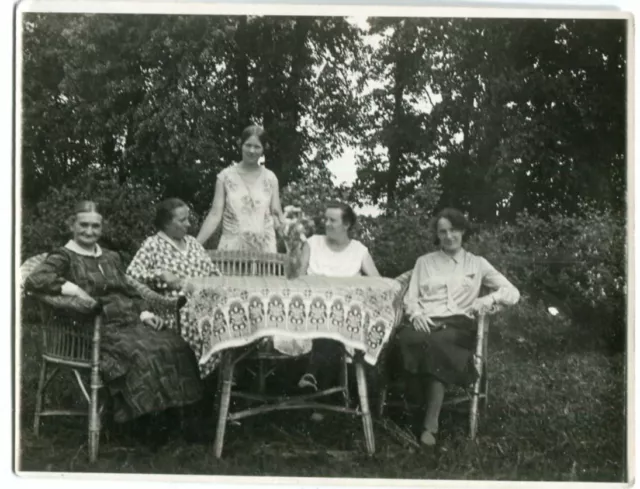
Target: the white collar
(76, 248)
(457, 258)
(163, 235)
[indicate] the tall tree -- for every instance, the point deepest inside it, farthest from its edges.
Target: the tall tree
(163, 98)
(529, 114)
(396, 130)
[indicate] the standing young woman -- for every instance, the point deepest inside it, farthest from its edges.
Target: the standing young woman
(246, 201)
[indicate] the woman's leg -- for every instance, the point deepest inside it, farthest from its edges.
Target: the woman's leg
(151, 370)
(435, 397)
(323, 362)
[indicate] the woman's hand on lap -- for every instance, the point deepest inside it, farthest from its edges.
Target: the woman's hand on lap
(423, 323)
(82, 295)
(154, 322)
(172, 281)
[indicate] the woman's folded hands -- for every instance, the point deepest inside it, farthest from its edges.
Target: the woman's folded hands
(171, 280)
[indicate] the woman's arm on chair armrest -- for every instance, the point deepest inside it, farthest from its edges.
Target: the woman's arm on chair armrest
(504, 293)
(71, 304)
(159, 303)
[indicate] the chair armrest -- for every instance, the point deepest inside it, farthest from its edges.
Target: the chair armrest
(160, 304)
(398, 302)
(494, 309)
(70, 304)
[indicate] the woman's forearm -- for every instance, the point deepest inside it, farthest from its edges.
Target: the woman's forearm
(209, 226)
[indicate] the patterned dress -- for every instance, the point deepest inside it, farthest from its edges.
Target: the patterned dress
(247, 223)
(144, 370)
(158, 253)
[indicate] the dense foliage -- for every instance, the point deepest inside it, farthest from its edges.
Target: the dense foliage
(520, 123)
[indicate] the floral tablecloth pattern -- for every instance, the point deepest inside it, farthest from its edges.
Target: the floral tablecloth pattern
(229, 312)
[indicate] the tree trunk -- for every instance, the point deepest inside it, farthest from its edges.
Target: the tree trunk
(395, 139)
(241, 68)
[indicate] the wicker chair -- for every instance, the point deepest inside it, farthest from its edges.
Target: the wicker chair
(477, 396)
(255, 264)
(270, 264)
(70, 339)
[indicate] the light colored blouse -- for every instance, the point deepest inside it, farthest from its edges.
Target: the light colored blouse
(442, 285)
(327, 262)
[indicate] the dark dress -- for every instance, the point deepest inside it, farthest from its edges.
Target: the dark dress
(446, 353)
(145, 370)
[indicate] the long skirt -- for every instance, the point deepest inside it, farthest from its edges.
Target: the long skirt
(445, 354)
(146, 370)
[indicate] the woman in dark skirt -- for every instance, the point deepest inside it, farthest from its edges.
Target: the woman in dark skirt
(442, 301)
(146, 368)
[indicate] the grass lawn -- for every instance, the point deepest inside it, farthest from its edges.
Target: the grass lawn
(556, 413)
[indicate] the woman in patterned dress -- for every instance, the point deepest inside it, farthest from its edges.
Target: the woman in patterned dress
(169, 257)
(147, 368)
(246, 201)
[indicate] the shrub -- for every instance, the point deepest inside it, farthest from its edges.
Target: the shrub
(403, 233)
(576, 264)
(128, 210)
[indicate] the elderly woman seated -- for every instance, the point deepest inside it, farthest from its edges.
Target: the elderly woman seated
(147, 368)
(333, 254)
(169, 257)
(441, 302)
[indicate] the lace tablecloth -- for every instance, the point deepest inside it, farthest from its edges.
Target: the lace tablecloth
(229, 312)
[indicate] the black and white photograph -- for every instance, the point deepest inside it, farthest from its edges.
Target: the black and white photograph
(323, 242)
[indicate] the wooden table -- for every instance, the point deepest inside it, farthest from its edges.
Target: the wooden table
(229, 316)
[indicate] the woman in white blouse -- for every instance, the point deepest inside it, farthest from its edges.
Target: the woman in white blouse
(442, 301)
(333, 254)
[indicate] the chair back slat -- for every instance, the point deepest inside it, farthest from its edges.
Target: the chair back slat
(248, 263)
(64, 337)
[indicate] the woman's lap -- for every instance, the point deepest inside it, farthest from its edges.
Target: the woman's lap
(150, 370)
(446, 353)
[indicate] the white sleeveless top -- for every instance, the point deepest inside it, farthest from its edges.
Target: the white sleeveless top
(324, 261)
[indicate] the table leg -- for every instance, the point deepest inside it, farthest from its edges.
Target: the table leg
(262, 380)
(225, 399)
(367, 421)
(344, 379)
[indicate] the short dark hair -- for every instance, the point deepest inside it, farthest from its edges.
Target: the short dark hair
(348, 216)
(456, 218)
(257, 131)
(164, 212)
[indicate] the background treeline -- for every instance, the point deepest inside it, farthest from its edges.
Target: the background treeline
(519, 122)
